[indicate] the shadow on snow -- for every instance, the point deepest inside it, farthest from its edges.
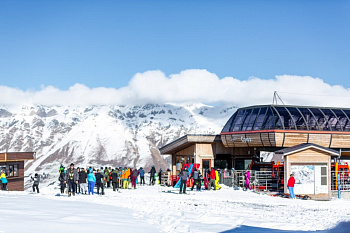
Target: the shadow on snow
(342, 227)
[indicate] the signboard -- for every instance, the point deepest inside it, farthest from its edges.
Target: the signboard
(310, 179)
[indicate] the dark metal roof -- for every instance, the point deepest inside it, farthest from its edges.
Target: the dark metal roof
(288, 117)
(304, 146)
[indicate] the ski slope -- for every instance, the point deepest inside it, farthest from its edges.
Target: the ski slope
(159, 209)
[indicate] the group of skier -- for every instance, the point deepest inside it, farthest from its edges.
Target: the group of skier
(84, 180)
(210, 179)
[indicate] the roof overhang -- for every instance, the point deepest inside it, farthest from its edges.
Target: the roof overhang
(186, 141)
(16, 156)
(305, 146)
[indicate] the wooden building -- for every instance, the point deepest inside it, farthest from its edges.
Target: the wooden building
(12, 163)
(254, 130)
(311, 166)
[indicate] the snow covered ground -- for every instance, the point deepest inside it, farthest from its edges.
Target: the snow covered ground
(159, 209)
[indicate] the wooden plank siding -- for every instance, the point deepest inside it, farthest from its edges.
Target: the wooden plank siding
(15, 156)
(338, 141)
(320, 139)
(285, 139)
(292, 139)
(16, 183)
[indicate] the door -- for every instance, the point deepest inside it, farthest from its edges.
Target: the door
(206, 164)
(321, 179)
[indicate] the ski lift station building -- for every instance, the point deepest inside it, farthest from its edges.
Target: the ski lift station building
(304, 137)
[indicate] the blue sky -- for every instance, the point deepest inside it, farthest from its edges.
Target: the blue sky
(105, 43)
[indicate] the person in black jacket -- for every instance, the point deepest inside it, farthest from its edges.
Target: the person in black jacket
(82, 181)
(152, 173)
(115, 179)
(183, 176)
(99, 182)
(62, 179)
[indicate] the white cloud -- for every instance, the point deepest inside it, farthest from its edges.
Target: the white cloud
(185, 87)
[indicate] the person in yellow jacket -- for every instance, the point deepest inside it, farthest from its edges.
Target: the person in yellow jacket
(127, 174)
(217, 186)
(3, 180)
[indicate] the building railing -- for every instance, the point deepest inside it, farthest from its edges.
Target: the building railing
(259, 180)
(343, 182)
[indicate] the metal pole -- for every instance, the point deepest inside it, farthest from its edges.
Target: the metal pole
(339, 196)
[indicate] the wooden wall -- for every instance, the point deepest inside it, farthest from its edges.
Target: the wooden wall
(16, 183)
(308, 156)
(285, 139)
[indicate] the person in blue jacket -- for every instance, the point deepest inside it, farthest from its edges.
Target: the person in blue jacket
(142, 176)
(3, 180)
(91, 181)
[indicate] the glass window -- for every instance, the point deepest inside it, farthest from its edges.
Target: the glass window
(343, 120)
(298, 118)
(3, 169)
(11, 170)
(228, 126)
(246, 119)
(239, 120)
(309, 118)
(269, 122)
(260, 119)
(322, 122)
(252, 119)
(15, 170)
(332, 120)
(347, 125)
(286, 118)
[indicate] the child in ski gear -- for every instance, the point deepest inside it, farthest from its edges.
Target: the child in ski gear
(290, 185)
(36, 180)
(72, 178)
(183, 177)
(142, 176)
(99, 182)
(3, 180)
(91, 181)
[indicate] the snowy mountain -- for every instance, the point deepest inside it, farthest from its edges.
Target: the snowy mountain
(103, 135)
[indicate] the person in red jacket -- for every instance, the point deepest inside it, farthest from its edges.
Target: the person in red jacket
(290, 186)
(212, 179)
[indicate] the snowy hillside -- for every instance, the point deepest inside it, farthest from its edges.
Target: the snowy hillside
(103, 135)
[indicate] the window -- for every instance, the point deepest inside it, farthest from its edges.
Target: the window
(332, 120)
(324, 176)
(246, 119)
(260, 119)
(321, 119)
(239, 119)
(10, 170)
(252, 119)
(3, 169)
